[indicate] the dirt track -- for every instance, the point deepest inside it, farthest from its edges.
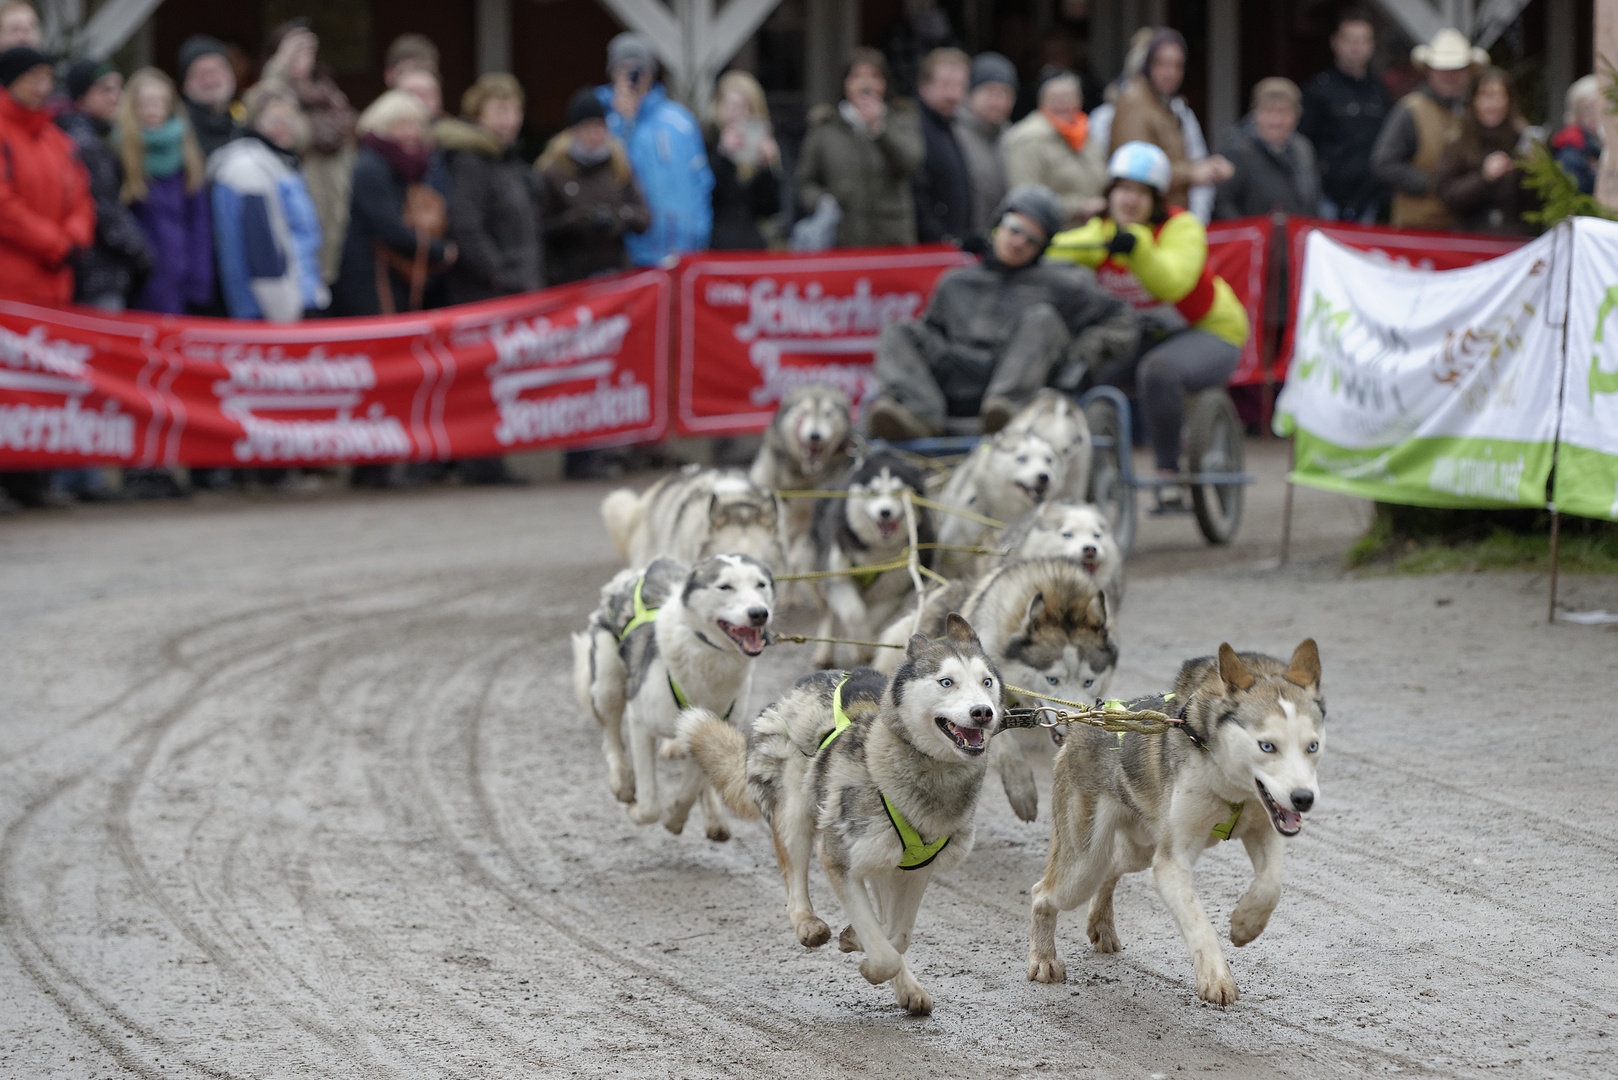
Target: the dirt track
(299, 788)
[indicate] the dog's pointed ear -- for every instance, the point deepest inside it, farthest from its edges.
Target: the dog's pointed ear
(716, 510)
(1036, 608)
(960, 632)
(914, 646)
(1097, 613)
(1305, 667)
(1231, 669)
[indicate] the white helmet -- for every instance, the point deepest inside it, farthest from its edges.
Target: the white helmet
(1143, 163)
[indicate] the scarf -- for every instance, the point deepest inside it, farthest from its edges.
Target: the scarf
(411, 165)
(165, 148)
(851, 116)
(1073, 132)
(588, 158)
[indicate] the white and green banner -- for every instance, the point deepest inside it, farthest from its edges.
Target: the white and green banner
(1433, 388)
(1587, 461)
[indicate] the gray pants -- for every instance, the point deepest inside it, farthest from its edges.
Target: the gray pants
(918, 368)
(1187, 361)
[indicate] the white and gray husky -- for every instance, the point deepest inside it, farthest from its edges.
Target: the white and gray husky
(693, 514)
(1241, 765)
(662, 639)
(866, 529)
(807, 446)
(884, 774)
(1073, 530)
(1046, 625)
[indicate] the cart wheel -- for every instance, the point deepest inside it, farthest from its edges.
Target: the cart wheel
(1214, 443)
(1109, 485)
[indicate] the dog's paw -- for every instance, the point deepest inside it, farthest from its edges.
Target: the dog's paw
(849, 941)
(1047, 969)
(1217, 986)
(622, 779)
(674, 823)
(878, 971)
(813, 933)
(644, 813)
(912, 995)
(1245, 926)
(1104, 937)
(718, 831)
(1021, 791)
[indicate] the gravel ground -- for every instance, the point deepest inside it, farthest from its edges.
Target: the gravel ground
(298, 787)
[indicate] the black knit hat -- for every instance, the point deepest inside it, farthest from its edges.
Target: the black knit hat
(991, 67)
(19, 61)
(584, 105)
(83, 74)
(196, 47)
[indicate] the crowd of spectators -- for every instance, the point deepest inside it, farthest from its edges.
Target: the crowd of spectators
(284, 203)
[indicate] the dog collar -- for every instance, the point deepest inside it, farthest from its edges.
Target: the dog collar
(840, 720)
(918, 853)
(1223, 830)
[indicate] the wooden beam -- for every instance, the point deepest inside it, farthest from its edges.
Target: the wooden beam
(111, 26)
(1493, 19)
(1606, 50)
(491, 35)
(1419, 19)
(655, 20)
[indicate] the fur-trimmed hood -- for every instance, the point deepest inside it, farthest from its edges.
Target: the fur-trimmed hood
(452, 134)
(827, 114)
(556, 157)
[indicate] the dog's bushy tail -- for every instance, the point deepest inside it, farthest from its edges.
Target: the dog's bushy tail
(721, 750)
(621, 511)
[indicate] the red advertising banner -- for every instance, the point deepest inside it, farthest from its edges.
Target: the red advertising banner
(1421, 249)
(1239, 252)
(580, 365)
(753, 325)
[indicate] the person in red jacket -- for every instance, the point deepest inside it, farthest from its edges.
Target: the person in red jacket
(46, 212)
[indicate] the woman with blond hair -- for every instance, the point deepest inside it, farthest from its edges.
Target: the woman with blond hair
(1577, 146)
(396, 222)
(746, 163)
(164, 188)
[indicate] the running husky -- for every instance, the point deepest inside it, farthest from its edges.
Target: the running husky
(662, 639)
(1073, 530)
(807, 446)
(866, 529)
(1241, 764)
(885, 774)
(693, 514)
(1046, 625)
(1004, 478)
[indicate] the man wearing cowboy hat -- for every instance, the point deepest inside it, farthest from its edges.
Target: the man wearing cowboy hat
(1422, 123)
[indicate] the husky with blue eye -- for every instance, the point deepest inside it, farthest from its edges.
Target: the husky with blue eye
(884, 773)
(1048, 628)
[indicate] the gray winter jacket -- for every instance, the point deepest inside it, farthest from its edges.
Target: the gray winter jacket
(493, 215)
(869, 178)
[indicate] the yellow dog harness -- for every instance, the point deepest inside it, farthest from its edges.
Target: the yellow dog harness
(917, 852)
(1220, 831)
(644, 615)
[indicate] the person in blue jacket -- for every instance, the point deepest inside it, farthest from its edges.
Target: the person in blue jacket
(666, 152)
(266, 235)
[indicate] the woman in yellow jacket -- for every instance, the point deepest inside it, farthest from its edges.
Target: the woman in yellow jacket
(1156, 257)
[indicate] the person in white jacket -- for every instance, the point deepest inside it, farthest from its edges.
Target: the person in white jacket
(266, 234)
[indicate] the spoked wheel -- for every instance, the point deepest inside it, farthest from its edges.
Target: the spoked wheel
(1214, 444)
(1109, 479)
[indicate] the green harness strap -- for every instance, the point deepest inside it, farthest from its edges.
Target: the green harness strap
(865, 579)
(644, 615)
(917, 853)
(1223, 830)
(840, 720)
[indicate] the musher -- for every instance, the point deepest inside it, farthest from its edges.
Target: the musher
(1155, 256)
(996, 333)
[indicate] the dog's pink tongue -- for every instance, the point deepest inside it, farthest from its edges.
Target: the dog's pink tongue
(1290, 818)
(971, 736)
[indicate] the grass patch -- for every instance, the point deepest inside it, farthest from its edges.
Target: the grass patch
(1401, 542)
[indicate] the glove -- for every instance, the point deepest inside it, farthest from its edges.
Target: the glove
(1122, 243)
(601, 218)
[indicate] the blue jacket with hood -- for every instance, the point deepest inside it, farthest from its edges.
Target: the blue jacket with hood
(266, 234)
(670, 160)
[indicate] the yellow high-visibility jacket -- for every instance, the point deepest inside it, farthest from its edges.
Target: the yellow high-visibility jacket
(1168, 266)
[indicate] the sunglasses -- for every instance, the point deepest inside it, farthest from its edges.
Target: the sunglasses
(1030, 235)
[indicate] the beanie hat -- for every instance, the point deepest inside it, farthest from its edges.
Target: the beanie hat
(991, 67)
(584, 105)
(83, 74)
(630, 46)
(19, 61)
(196, 47)
(1036, 202)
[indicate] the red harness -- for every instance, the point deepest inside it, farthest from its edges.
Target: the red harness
(1192, 306)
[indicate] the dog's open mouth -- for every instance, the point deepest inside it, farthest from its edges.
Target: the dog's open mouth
(971, 740)
(1288, 822)
(889, 527)
(1091, 566)
(750, 639)
(1035, 494)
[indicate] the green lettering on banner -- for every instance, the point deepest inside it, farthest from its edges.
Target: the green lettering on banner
(1602, 382)
(1449, 472)
(1586, 482)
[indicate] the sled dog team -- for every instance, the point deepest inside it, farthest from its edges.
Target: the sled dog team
(879, 768)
